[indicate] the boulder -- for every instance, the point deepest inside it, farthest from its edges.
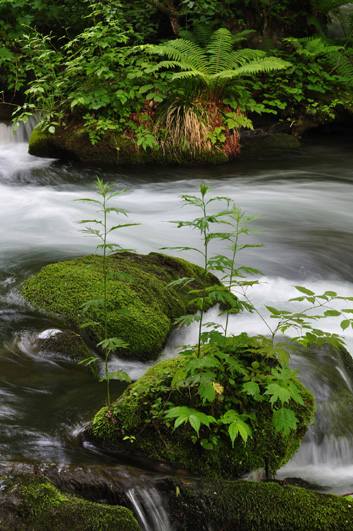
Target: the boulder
(31, 502)
(141, 310)
(135, 425)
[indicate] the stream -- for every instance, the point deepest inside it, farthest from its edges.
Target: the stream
(303, 201)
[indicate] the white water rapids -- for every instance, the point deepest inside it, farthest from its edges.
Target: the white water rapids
(304, 205)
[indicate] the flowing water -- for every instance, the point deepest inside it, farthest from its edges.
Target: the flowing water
(304, 204)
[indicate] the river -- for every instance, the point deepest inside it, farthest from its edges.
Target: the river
(303, 201)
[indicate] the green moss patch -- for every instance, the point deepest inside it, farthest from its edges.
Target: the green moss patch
(31, 502)
(71, 143)
(141, 311)
(133, 415)
(250, 506)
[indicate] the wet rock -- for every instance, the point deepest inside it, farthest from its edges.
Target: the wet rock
(31, 502)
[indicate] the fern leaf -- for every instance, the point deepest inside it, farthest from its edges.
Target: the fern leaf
(201, 34)
(266, 64)
(188, 54)
(241, 57)
(218, 49)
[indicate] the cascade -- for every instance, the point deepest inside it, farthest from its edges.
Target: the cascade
(22, 134)
(147, 505)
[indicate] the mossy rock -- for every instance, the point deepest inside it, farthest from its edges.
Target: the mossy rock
(70, 143)
(130, 416)
(29, 502)
(65, 343)
(250, 506)
(141, 311)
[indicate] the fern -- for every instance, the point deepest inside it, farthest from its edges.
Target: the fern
(216, 63)
(313, 47)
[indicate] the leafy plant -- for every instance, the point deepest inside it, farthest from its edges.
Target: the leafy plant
(224, 376)
(216, 64)
(101, 231)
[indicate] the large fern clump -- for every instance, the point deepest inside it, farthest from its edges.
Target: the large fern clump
(213, 61)
(208, 69)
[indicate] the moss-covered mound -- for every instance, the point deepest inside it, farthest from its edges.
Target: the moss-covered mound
(249, 506)
(29, 502)
(71, 144)
(138, 413)
(141, 310)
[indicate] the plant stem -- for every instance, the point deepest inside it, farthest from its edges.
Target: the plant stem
(105, 290)
(204, 277)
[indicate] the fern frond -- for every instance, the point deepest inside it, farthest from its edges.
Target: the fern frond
(342, 64)
(241, 36)
(201, 34)
(312, 47)
(317, 47)
(187, 74)
(266, 64)
(241, 57)
(219, 49)
(183, 51)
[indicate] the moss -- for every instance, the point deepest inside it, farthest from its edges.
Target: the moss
(249, 506)
(130, 415)
(71, 143)
(31, 502)
(141, 311)
(42, 144)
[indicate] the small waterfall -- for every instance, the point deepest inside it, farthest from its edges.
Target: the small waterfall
(22, 134)
(147, 505)
(327, 450)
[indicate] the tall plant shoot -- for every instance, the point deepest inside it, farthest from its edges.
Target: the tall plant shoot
(101, 230)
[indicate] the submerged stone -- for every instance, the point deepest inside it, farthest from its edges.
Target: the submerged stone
(141, 309)
(65, 343)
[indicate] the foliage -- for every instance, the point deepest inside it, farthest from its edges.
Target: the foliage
(313, 85)
(215, 64)
(214, 363)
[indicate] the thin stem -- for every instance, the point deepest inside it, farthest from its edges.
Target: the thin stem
(204, 279)
(235, 249)
(106, 352)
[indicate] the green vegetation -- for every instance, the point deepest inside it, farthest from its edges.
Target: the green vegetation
(32, 502)
(251, 506)
(230, 399)
(89, 71)
(209, 450)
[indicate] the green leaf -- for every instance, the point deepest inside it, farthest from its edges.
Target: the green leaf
(277, 392)
(195, 422)
(282, 355)
(206, 390)
(332, 313)
(345, 324)
(284, 420)
(252, 388)
(306, 291)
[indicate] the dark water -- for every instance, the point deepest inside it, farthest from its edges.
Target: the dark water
(304, 204)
